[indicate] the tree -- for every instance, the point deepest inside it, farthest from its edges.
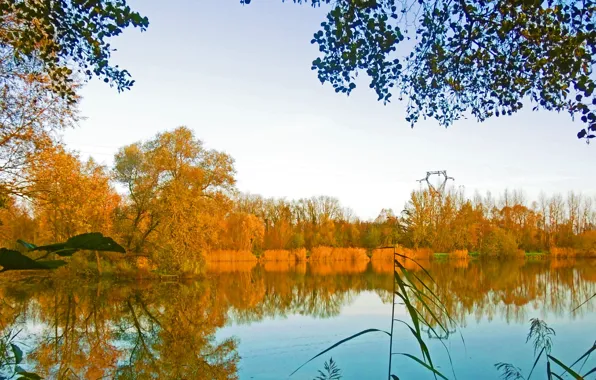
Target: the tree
(478, 57)
(65, 34)
(71, 197)
(31, 114)
(178, 195)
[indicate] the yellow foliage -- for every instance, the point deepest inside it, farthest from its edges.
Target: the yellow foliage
(277, 255)
(459, 254)
(415, 253)
(559, 252)
(72, 197)
(338, 254)
(300, 254)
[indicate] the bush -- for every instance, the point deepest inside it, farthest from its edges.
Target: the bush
(499, 243)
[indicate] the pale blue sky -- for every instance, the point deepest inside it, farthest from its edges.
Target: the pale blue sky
(240, 77)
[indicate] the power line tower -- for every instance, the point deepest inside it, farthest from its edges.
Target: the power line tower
(438, 188)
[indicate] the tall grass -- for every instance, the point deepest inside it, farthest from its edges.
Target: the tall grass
(338, 254)
(277, 255)
(300, 254)
(230, 255)
(461, 254)
(386, 254)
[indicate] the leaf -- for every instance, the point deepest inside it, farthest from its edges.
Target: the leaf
(434, 370)
(567, 369)
(593, 370)
(94, 241)
(14, 260)
(581, 134)
(536, 361)
(29, 376)
(50, 247)
(17, 352)
(29, 246)
(338, 344)
(24, 375)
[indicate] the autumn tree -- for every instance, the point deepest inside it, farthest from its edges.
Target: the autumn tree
(178, 192)
(71, 197)
(451, 59)
(31, 115)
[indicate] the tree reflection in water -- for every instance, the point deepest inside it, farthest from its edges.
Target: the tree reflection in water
(77, 329)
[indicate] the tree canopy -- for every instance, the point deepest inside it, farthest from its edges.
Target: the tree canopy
(68, 34)
(454, 58)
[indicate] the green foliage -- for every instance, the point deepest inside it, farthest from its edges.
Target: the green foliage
(332, 372)
(14, 260)
(93, 241)
(484, 58)
(509, 371)
(63, 33)
(541, 336)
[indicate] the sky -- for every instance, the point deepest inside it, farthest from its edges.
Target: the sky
(240, 77)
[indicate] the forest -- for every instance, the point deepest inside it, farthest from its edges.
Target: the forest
(173, 203)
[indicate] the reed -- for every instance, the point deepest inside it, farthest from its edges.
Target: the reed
(338, 254)
(383, 254)
(300, 255)
(415, 253)
(230, 255)
(560, 252)
(277, 255)
(461, 254)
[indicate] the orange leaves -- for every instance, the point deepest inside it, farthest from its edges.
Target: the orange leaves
(71, 197)
(338, 254)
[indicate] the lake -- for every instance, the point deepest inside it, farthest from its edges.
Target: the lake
(252, 321)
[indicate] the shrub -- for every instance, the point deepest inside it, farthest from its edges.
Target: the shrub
(499, 242)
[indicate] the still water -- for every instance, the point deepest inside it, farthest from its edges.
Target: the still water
(263, 322)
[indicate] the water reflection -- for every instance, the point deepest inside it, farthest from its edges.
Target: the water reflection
(74, 329)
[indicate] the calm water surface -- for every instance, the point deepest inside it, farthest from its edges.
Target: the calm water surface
(263, 322)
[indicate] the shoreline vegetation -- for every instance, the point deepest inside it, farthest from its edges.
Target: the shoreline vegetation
(179, 211)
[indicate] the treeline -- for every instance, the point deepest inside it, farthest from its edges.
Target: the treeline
(179, 204)
(443, 222)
